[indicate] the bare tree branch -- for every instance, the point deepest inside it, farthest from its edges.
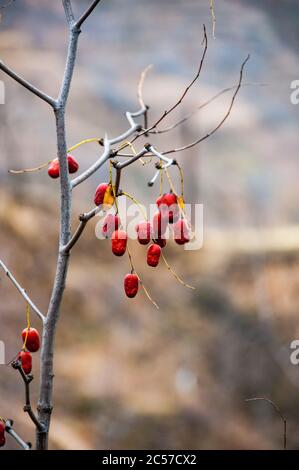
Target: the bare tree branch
(170, 110)
(131, 160)
(277, 409)
(9, 429)
(84, 219)
(22, 292)
(67, 5)
(27, 379)
(180, 149)
(27, 85)
(200, 107)
(87, 14)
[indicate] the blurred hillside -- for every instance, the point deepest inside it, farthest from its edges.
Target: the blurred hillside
(127, 375)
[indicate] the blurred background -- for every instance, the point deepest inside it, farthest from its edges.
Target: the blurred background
(129, 376)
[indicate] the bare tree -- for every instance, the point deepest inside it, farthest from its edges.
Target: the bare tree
(111, 153)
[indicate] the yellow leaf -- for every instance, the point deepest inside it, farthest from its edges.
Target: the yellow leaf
(108, 197)
(181, 202)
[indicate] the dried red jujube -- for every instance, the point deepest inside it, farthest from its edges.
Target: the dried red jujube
(54, 170)
(181, 232)
(168, 206)
(110, 224)
(26, 361)
(159, 225)
(153, 255)
(2, 434)
(143, 230)
(131, 283)
(119, 242)
(33, 340)
(100, 193)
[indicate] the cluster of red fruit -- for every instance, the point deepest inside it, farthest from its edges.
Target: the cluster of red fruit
(168, 213)
(53, 169)
(31, 340)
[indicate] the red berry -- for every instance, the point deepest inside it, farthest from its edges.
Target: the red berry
(143, 230)
(72, 163)
(131, 283)
(181, 232)
(2, 434)
(53, 170)
(33, 341)
(153, 255)
(26, 361)
(119, 242)
(159, 225)
(100, 193)
(111, 223)
(168, 206)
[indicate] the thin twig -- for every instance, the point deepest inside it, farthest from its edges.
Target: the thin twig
(170, 110)
(140, 85)
(67, 5)
(30, 170)
(27, 379)
(175, 275)
(200, 107)
(9, 429)
(212, 7)
(222, 120)
(133, 270)
(277, 409)
(43, 96)
(87, 13)
(22, 292)
(84, 219)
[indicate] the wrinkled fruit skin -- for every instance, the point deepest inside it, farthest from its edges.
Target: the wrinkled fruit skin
(119, 242)
(53, 170)
(33, 340)
(131, 283)
(153, 255)
(143, 230)
(181, 232)
(26, 361)
(111, 223)
(100, 193)
(159, 225)
(168, 206)
(2, 434)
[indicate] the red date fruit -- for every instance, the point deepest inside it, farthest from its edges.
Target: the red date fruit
(100, 193)
(131, 283)
(2, 434)
(153, 255)
(159, 225)
(119, 242)
(26, 361)
(33, 340)
(168, 206)
(181, 232)
(111, 223)
(53, 170)
(143, 230)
